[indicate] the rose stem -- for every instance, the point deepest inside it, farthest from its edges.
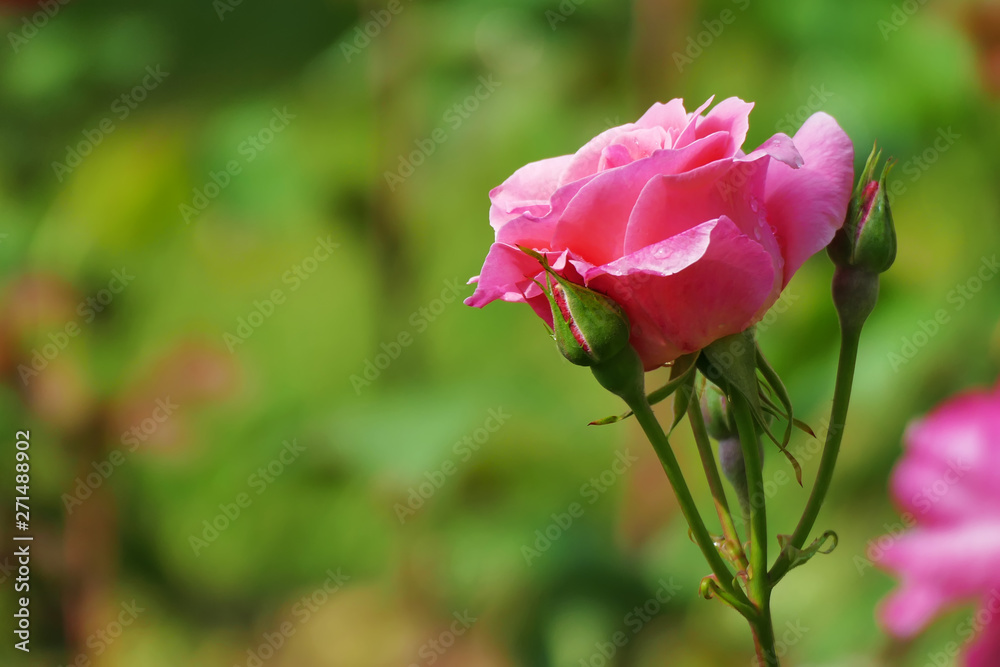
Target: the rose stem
(714, 480)
(759, 585)
(651, 426)
(849, 338)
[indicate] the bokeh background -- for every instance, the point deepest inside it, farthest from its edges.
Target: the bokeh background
(235, 238)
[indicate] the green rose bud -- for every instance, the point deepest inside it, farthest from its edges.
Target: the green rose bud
(868, 238)
(589, 327)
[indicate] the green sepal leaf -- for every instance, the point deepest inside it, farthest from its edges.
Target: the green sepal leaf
(681, 370)
(798, 556)
(773, 381)
(682, 399)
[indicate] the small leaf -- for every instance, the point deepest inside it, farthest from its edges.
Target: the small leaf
(537, 255)
(773, 380)
(610, 420)
(802, 426)
(798, 556)
(682, 400)
(709, 587)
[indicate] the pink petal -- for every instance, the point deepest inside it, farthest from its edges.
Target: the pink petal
(506, 268)
(594, 222)
(807, 205)
(910, 608)
(511, 275)
(780, 147)
(948, 473)
(587, 160)
(670, 116)
(732, 116)
(688, 290)
(689, 133)
(939, 568)
(633, 145)
(527, 190)
(672, 204)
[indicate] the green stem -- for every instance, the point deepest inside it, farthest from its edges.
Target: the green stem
(714, 480)
(651, 426)
(763, 639)
(759, 584)
(850, 336)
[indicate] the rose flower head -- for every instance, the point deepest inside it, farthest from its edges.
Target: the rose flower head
(690, 235)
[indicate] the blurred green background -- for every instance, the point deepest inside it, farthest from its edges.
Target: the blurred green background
(235, 238)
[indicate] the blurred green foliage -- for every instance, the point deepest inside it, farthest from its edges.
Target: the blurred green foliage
(361, 107)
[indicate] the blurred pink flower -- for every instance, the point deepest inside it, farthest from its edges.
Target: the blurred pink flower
(949, 480)
(668, 216)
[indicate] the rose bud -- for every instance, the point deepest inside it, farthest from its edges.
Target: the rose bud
(721, 427)
(863, 248)
(715, 409)
(589, 328)
(868, 238)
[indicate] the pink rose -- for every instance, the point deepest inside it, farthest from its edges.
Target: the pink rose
(948, 481)
(694, 238)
